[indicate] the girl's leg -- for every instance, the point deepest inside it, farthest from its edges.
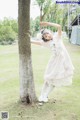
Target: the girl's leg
(47, 88)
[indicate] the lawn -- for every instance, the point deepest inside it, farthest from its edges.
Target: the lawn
(64, 102)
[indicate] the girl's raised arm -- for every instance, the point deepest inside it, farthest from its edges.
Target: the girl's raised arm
(53, 25)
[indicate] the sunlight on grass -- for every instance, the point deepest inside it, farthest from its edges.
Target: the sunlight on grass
(64, 103)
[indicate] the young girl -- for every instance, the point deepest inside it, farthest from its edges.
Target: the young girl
(59, 70)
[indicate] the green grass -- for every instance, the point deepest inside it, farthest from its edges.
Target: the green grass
(64, 102)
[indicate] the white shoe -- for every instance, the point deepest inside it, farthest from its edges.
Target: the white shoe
(43, 99)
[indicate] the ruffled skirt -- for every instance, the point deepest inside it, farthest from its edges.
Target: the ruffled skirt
(59, 71)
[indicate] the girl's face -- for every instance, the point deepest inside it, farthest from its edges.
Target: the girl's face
(48, 36)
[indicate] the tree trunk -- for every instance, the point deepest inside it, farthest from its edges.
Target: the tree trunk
(27, 89)
(40, 13)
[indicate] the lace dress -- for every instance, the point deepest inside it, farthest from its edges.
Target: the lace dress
(59, 70)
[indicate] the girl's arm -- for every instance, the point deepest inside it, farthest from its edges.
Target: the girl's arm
(35, 42)
(53, 25)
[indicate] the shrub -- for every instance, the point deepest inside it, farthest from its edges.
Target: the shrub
(8, 31)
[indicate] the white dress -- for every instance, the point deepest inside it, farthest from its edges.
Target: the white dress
(59, 70)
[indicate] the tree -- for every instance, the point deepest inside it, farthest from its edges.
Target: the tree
(44, 6)
(27, 89)
(34, 26)
(8, 31)
(7, 35)
(40, 3)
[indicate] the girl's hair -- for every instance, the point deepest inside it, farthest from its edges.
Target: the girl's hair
(45, 31)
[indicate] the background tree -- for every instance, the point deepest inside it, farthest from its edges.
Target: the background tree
(40, 3)
(27, 89)
(44, 6)
(8, 31)
(35, 26)
(58, 13)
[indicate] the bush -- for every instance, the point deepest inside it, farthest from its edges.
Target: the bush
(8, 31)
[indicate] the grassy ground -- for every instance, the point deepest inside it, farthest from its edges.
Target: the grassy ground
(64, 103)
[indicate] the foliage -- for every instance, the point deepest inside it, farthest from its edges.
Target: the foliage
(40, 2)
(57, 13)
(44, 6)
(35, 26)
(51, 12)
(8, 31)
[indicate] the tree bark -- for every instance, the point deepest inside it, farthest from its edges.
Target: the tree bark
(40, 13)
(27, 88)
